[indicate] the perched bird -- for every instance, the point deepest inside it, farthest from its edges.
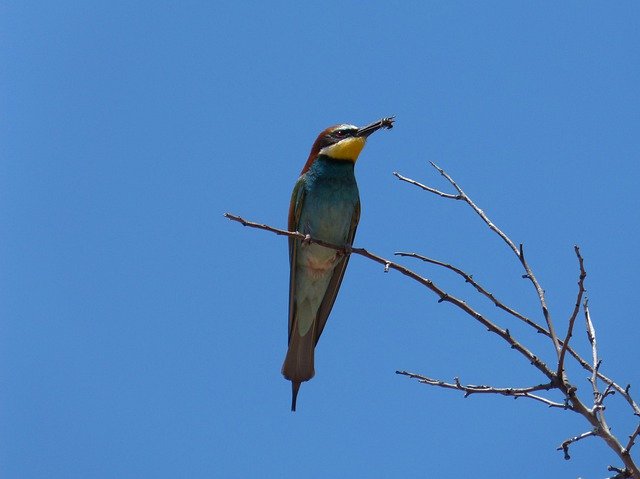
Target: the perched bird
(325, 205)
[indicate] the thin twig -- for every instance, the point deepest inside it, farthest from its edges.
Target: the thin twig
(443, 295)
(624, 392)
(470, 389)
(584, 364)
(574, 314)
(482, 290)
(518, 251)
(565, 445)
(591, 335)
(463, 196)
(632, 438)
(595, 415)
(598, 398)
(427, 188)
(620, 473)
(541, 298)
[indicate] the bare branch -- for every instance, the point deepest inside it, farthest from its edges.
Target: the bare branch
(427, 188)
(541, 298)
(482, 290)
(470, 389)
(556, 379)
(443, 295)
(624, 392)
(574, 314)
(632, 439)
(620, 473)
(464, 197)
(519, 252)
(280, 232)
(598, 399)
(584, 364)
(565, 445)
(609, 391)
(591, 335)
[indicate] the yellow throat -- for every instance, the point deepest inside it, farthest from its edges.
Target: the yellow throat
(347, 149)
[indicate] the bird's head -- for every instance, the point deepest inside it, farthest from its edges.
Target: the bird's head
(344, 142)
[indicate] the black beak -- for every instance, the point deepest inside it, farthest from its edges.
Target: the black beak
(387, 123)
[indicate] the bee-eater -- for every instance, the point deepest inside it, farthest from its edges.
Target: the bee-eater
(325, 205)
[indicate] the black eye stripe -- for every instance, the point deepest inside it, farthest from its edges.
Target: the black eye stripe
(343, 132)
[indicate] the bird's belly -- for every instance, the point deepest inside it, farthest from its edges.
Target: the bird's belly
(317, 261)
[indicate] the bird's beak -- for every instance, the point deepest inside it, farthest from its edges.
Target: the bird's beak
(365, 131)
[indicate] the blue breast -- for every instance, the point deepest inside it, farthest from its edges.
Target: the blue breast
(330, 199)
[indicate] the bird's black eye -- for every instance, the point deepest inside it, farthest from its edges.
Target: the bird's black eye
(342, 133)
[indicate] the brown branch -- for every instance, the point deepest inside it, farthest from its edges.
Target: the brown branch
(541, 298)
(565, 445)
(470, 389)
(468, 278)
(594, 416)
(464, 197)
(624, 392)
(427, 188)
(585, 365)
(574, 314)
(596, 419)
(598, 399)
(632, 438)
(591, 335)
(519, 252)
(443, 295)
(620, 473)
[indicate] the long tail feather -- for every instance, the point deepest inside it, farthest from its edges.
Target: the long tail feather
(298, 364)
(295, 387)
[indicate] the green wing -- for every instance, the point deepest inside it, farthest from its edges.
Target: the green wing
(295, 208)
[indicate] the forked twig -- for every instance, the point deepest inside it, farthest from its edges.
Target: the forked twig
(556, 379)
(470, 389)
(468, 278)
(443, 295)
(518, 251)
(538, 328)
(428, 188)
(591, 336)
(595, 415)
(564, 447)
(574, 314)
(632, 438)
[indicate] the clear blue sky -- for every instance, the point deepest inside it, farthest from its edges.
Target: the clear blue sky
(142, 334)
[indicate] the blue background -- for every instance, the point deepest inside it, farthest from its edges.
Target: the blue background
(142, 334)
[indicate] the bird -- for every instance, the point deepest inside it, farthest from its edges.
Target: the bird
(325, 205)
